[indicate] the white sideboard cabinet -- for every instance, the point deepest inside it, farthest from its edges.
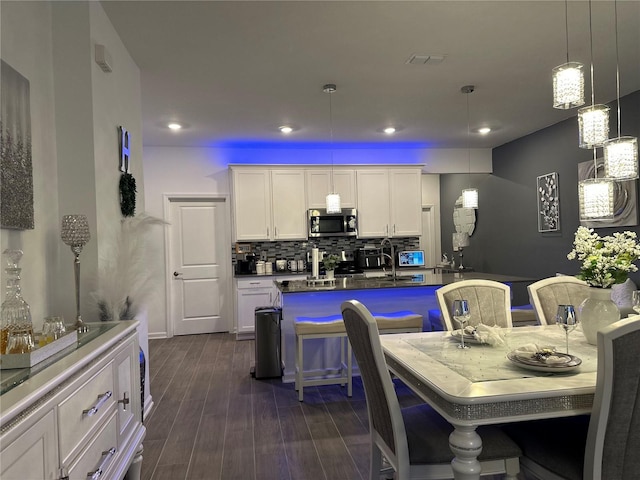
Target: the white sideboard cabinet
(80, 416)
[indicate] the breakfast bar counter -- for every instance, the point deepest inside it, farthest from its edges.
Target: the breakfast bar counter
(423, 278)
(380, 295)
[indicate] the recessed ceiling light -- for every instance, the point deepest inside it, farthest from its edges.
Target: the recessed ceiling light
(286, 129)
(484, 130)
(174, 126)
(389, 130)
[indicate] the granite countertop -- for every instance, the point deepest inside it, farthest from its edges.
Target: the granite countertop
(424, 279)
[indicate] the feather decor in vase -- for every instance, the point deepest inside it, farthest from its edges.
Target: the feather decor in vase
(125, 275)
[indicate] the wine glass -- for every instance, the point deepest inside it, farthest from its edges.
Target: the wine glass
(461, 315)
(566, 318)
(635, 298)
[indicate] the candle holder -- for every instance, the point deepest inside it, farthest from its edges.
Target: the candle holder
(75, 233)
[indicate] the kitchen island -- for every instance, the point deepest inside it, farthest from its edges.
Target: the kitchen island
(413, 291)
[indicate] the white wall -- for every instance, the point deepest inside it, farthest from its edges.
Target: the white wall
(75, 111)
(170, 170)
(26, 46)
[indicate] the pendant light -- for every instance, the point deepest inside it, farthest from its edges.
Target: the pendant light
(568, 78)
(595, 196)
(593, 121)
(469, 195)
(333, 198)
(621, 153)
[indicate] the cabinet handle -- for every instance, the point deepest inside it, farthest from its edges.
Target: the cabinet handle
(125, 401)
(394, 228)
(267, 232)
(101, 399)
(254, 283)
(270, 297)
(106, 458)
(275, 232)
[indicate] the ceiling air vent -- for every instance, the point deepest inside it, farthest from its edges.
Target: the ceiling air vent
(422, 59)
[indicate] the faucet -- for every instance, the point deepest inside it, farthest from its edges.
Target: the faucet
(391, 257)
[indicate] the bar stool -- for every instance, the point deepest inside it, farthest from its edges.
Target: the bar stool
(322, 327)
(403, 321)
(333, 326)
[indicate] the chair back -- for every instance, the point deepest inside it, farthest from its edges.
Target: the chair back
(613, 441)
(545, 295)
(385, 418)
(489, 302)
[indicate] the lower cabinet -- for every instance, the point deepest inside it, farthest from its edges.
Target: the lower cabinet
(256, 292)
(251, 294)
(84, 423)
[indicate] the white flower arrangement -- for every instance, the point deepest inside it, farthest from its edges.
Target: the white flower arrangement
(605, 260)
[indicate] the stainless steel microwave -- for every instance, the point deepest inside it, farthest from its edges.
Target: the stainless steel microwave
(323, 224)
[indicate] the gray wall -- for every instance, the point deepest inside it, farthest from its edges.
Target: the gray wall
(506, 239)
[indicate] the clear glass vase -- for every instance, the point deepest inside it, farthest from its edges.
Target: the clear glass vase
(597, 311)
(15, 314)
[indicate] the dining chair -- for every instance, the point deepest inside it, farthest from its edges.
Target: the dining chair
(545, 295)
(489, 302)
(413, 440)
(605, 445)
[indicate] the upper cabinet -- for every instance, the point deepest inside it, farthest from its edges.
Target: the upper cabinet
(389, 202)
(268, 204)
(319, 185)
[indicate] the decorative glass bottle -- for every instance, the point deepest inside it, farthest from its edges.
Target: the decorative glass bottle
(15, 315)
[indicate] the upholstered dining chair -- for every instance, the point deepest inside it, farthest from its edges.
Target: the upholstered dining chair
(545, 295)
(413, 440)
(489, 302)
(605, 445)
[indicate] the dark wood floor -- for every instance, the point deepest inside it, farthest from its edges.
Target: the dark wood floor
(212, 420)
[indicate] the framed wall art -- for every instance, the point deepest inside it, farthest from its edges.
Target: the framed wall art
(16, 174)
(625, 197)
(548, 203)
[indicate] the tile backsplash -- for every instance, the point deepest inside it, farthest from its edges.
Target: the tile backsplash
(297, 249)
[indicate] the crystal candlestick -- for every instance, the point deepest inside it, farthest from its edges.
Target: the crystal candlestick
(75, 233)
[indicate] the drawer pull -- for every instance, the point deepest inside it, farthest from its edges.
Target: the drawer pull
(101, 399)
(125, 401)
(106, 458)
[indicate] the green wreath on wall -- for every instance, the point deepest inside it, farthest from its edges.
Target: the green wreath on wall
(127, 195)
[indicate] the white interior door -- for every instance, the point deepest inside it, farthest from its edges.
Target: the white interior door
(428, 237)
(199, 258)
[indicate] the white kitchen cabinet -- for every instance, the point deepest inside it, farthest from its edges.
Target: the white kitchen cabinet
(288, 206)
(389, 202)
(319, 185)
(268, 204)
(250, 294)
(251, 201)
(63, 419)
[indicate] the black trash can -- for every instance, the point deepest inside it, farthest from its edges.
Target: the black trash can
(268, 361)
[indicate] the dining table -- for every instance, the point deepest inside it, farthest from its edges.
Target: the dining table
(487, 384)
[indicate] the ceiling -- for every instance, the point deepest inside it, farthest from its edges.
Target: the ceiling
(233, 71)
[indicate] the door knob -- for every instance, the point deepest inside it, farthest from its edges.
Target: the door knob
(176, 274)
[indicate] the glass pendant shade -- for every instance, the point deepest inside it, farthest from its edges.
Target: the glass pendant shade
(470, 198)
(595, 197)
(333, 203)
(593, 126)
(621, 158)
(568, 85)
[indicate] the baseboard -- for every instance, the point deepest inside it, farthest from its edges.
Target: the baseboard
(157, 335)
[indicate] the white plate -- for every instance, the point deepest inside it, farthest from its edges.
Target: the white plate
(539, 366)
(455, 334)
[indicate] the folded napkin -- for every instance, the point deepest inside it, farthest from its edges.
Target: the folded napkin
(546, 355)
(485, 334)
